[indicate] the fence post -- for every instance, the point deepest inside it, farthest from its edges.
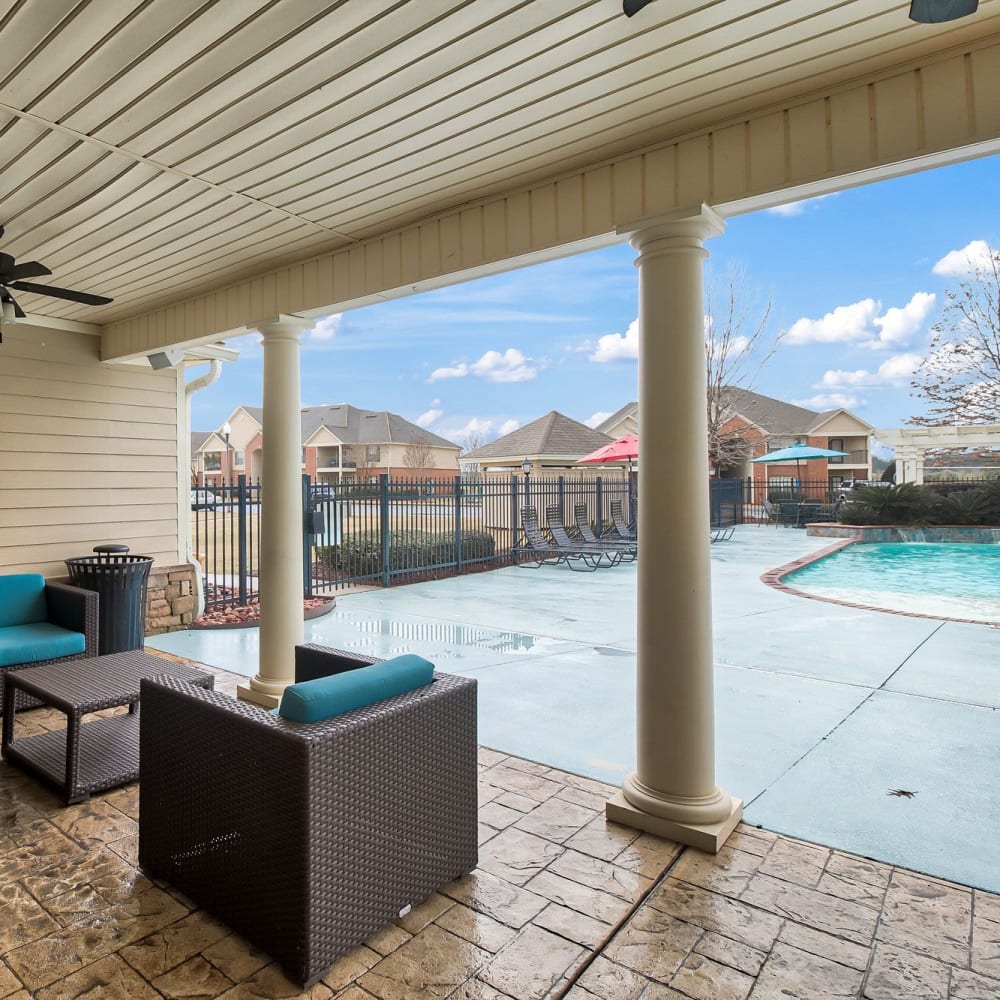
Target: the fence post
(513, 511)
(561, 491)
(242, 541)
(306, 536)
(599, 501)
(458, 524)
(384, 531)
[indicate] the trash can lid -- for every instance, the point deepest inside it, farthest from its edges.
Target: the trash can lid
(111, 549)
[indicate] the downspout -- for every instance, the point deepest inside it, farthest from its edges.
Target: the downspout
(201, 382)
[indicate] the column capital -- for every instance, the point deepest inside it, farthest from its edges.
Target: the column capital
(282, 324)
(700, 222)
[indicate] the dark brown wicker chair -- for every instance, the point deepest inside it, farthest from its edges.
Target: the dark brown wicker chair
(306, 839)
(71, 608)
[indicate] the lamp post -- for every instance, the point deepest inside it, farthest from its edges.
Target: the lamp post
(226, 431)
(526, 469)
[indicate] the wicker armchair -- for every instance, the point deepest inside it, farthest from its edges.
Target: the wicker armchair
(70, 608)
(306, 839)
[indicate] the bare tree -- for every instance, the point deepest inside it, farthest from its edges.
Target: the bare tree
(418, 453)
(472, 440)
(737, 346)
(960, 377)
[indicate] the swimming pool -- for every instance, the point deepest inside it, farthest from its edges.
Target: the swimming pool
(941, 580)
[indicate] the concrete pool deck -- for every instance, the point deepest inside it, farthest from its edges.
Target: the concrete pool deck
(823, 711)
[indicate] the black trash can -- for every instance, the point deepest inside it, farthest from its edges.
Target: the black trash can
(120, 581)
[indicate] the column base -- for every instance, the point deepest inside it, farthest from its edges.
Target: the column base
(263, 698)
(705, 836)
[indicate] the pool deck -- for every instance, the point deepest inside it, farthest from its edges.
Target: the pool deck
(824, 712)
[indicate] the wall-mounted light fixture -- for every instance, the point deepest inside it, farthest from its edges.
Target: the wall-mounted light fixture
(165, 359)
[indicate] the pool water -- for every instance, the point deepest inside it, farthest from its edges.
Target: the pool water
(943, 580)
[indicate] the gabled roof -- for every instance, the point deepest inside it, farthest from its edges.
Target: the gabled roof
(352, 425)
(198, 438)
(628, 410)
(553, 436)
(770, 415)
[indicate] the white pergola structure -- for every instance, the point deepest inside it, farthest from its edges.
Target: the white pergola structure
(912, 444)
(225, 166)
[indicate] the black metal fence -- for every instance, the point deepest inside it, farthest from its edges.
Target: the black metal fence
(386, 533)
(398, 532)
(225, 539)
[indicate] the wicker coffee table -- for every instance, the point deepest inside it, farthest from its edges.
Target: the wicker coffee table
(104, 753)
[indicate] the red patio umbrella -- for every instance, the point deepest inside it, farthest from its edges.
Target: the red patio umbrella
(624, 449)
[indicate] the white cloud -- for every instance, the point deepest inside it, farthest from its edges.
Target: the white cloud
(429, 417)
(508, 426)
(863, 323)
(961, 263)
(455, 371)
(845, 323)
(892, 373)
(829, 401)
(899, 368)
(511, 366)
(326, 327)
(597, 418)
(618, 347)
(897, 326)
(798, 207)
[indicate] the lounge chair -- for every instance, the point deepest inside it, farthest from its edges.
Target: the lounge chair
(721, 534)
(539, 551)
(620, 525)
(596, 552)
(582, 518)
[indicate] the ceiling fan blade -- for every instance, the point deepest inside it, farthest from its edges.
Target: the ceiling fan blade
(29, 269)
(633, 6)
(61, 293)
(939, 11)
(7, 265)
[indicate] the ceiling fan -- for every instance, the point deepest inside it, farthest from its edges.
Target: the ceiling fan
(925, 11)
(12, 276)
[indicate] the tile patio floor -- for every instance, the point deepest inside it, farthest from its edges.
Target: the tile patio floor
(562, 905)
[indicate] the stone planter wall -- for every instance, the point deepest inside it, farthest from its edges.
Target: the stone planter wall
(171, 601)
(970, 535)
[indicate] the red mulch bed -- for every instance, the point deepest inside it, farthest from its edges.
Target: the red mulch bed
(249, 615)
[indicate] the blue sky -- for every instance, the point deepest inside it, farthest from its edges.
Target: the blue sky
(856, 280)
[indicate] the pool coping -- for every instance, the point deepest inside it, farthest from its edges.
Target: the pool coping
(870, 534)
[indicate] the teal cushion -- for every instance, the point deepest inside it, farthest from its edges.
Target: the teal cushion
(313, 701)
(22, 599)
(38, 641)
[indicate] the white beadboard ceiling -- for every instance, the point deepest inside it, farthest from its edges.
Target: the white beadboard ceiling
(154, 149)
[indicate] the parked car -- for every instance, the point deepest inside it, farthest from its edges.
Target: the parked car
(848, 487)
(322, 492)
(203, 500)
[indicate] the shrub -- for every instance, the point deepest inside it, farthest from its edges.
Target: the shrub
(361, 554)
(911, 505)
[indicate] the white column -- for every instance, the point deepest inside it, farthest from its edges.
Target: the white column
(280, 586)
(673, 791)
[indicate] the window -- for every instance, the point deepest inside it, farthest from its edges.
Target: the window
(239, 458)
(373, 453)
(837, 444)
(213, 461)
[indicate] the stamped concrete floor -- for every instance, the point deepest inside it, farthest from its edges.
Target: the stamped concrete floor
(562, 905)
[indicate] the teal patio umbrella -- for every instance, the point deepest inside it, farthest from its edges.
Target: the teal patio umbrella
(797, 453)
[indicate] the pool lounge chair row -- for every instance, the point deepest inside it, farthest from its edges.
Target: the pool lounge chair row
(586, 553)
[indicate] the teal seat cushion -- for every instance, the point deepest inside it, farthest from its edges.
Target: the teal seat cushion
(315, 700)
(38, 641)
(22, 599)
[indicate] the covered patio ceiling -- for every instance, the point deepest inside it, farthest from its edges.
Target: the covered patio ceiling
(155, 152)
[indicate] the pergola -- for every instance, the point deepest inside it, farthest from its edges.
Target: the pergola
(225, 166)
(911, 444)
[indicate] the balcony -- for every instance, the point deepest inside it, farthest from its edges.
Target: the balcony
(857, 457)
